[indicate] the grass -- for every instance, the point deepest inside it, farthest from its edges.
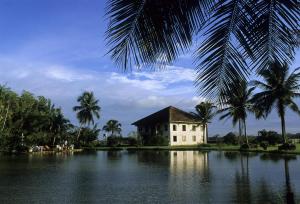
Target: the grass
(207, 147)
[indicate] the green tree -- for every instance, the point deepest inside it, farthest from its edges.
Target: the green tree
(204, 113)
(113, 126)
(87, 110)
(278, 90)
(236, 103)
(237, 36)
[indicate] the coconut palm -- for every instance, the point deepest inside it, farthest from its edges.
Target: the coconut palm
(236, 104)
(233, 34)
(87, 110)
(204, 113)
(112, 126)
(278, 90)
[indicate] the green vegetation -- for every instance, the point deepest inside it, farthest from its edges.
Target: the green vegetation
(236, 104)
(27, 121)
(278, 90)
(238, 37)
(87, 109)
(205, 113)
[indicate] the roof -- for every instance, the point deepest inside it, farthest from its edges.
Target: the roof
(168, 114)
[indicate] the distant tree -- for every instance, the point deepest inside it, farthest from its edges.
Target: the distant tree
(204, 113)
(236, 104)
(113, 126)
(230, 138)
(278, 90)
(87, 110)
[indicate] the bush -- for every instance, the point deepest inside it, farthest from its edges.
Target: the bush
(132, 141)
(113, 141)
(230, 138)
(156, 141)
(287, 147)
(245, 146)
(264, 145)
(271, 137)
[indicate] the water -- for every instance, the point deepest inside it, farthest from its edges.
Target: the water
(149, 177)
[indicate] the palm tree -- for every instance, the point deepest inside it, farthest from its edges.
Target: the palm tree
(237, 36)
(87, 109)
(278, 90)
(204, 113)
(236, 105)
(112, 126)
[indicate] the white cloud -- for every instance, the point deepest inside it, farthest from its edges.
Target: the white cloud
(124, 96)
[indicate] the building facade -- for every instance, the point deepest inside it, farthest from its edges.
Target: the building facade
(179, 127)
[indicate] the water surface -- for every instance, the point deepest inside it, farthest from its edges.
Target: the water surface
(150, 177)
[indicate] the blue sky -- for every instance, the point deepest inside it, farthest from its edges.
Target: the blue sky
(57, 49)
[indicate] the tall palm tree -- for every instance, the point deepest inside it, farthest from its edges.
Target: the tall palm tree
(204, 113)
(112, 126)
(236, 105)
(87, 110)
(237, 36)
(278, 90)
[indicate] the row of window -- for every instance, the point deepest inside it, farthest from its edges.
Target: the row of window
(166, 128)
(183, 138)
(184, 128)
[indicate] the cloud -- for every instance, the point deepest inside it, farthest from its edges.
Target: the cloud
(123, 96)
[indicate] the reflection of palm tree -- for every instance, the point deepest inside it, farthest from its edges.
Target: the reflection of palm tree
(242, 181)
(289, 192)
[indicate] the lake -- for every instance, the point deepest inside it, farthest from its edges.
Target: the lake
(150, 177)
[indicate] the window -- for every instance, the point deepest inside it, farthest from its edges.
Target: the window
(174, 138)
(194, 138)
(146, 129)
(194, 128)
(174, 127)
(166, 127)
(183, 127)
(183, 138)
(158, 127)
(140, 129)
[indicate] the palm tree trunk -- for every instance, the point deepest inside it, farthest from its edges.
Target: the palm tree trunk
(283, 126)
(204, 136)
(206, 128)
(240, 133)
(79, 132)
(245, 131)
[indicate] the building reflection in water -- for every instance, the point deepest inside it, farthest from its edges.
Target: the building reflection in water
(189, 176)
(182, 162)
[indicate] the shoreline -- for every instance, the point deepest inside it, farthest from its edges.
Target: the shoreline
(231, 148)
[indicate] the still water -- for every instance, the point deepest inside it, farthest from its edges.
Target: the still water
(150, 177)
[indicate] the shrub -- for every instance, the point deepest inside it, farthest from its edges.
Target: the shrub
(264, 145)
(287, 147)
(244, 146)
(157, 141)
(132, 141)
(113, 141)
(230, 138)
(271, 137)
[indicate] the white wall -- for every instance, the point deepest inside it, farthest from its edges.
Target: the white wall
(189, 133)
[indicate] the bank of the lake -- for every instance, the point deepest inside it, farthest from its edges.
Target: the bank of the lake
(210, 147)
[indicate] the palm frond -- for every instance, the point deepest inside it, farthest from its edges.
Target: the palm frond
(152, 31)
(220, 60)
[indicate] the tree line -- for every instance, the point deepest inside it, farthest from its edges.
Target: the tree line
(27, 120)
(277, 90)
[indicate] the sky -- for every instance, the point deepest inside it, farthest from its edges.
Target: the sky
(57, 48)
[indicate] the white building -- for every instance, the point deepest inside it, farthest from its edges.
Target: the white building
(181, 128)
